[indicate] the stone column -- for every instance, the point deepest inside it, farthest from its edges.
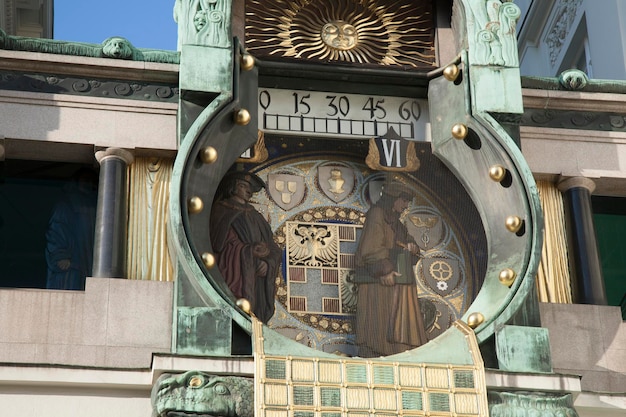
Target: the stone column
(109, 249)
(588, 283)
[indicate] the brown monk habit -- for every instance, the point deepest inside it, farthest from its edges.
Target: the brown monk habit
(389, 319)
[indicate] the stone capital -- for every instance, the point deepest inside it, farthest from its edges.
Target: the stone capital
(119, 153)
(566, 184)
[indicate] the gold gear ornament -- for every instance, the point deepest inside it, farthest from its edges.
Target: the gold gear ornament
(440, 270)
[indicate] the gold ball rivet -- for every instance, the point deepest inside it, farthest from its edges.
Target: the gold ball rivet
(244, 304)
(513, 223)
(247, 62)
(195, 382)
(475, 319)
(208, 260)
(497, 173)
(507, 277)
(242, 117)
(195, 205)
(459, 131)
(208, 155)
(451, 72)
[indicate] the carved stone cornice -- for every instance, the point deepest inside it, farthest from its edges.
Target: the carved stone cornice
(574, 101)
(570, 119)
(574, 80)
(33, 62)
(84, 86)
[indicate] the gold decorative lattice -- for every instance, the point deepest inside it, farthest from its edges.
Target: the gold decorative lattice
(289, 386)
(394, 33)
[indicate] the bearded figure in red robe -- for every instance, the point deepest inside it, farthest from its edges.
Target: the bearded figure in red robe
(243, 243)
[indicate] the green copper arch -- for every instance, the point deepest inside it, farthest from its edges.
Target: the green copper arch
(485, 96)
(488, 145)
(485, 92)
(189, 232)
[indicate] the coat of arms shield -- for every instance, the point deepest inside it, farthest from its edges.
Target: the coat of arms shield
(336, 181)
(287, 190)
(441, 274)
(427, 229)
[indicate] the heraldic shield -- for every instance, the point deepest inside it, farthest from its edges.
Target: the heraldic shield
(441, 274)
(287, 190)
(427, 229)
(336, 181)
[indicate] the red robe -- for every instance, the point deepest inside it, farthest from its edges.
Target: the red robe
(235, 229)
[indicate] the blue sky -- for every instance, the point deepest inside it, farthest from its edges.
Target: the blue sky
(145, 23)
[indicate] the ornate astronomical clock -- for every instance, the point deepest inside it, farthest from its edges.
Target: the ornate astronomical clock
(329, 157)
(330, 153)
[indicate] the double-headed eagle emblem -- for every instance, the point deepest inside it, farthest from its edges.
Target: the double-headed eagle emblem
(313, 245)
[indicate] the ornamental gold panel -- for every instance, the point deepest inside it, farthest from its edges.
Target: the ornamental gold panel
(396, 33)
(303, 371)
(437, 378)
(385, 399)
(466, 404)
(410, 376)
(276, 413)
(276, 395)
(384, 387)
(330, 372)
(358, 398)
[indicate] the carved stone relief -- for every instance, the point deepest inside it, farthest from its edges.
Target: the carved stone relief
(203, 22)
(491, 24)
(566, 11)
(114, 47)
(198, 393)
(526, 404)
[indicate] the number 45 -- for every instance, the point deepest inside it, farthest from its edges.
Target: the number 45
(375, 108)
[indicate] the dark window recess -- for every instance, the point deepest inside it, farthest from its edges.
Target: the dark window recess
(610, 222)
(30, 193)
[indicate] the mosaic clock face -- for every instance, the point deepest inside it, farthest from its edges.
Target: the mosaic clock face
(318, 220)
(325, 159)
(359, 224)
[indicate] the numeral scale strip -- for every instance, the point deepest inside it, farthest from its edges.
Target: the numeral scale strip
(300, 120)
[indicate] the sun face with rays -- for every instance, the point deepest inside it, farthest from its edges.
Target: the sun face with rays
(339, 35)
(392, 32)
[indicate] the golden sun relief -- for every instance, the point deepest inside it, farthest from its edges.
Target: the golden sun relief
(352, 31)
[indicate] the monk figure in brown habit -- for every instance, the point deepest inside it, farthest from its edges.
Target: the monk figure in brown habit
(389, 319)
